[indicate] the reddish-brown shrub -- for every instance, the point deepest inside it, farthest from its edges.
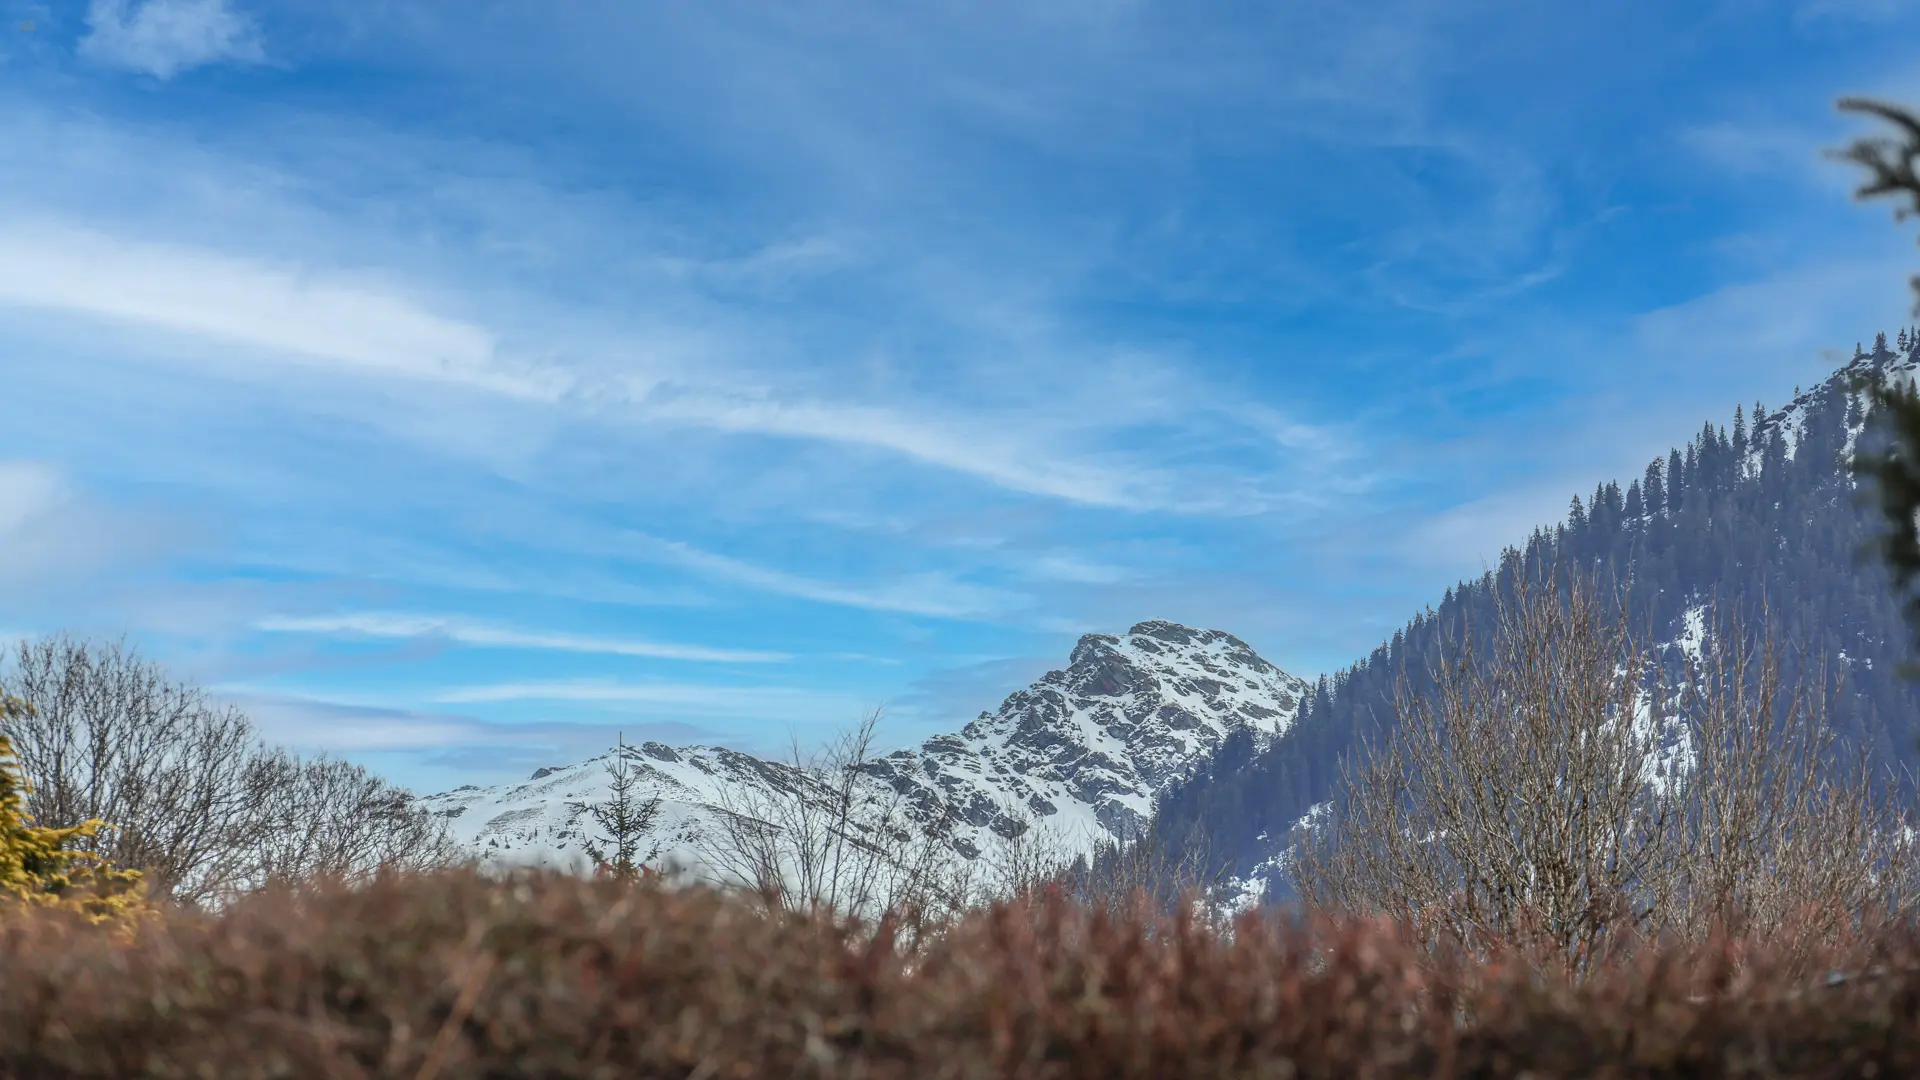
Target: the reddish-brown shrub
(455, 976)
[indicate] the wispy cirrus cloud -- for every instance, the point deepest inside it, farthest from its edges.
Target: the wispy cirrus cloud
(1762, 148)
(483, 635)
(52, 534)
(165, 37)
(1071, 566)
(281, 311)
(443, 745)
(978, 450)
(696, 699)
(289, 312)
(28, 489)
(931, 594)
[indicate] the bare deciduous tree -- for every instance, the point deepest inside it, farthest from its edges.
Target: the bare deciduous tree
(1146, 868)
(192, 798)
(112, 738)
(331, 818)
(1551, 791)
(1514, 798)
(1774, 826)
(823, 833)
(1028, 857)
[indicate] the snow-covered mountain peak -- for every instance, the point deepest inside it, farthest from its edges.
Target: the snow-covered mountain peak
(1083, 751)
(1086, 748)
(1163, 693)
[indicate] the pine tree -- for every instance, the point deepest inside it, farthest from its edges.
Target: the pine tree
(623, 819)
(40, 867)
(1895, 464)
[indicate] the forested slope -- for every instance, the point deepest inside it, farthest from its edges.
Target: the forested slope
(1764, 509)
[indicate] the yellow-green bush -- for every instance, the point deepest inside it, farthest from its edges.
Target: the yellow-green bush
(40, 866)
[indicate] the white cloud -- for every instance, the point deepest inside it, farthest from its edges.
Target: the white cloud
(1012, 464)
(52, 533)
(924, 594)
(28, 489)
(362, 733)
(230, 250)
(165, 37)
(1768, 148)
(285, 312)
(1050, 450)
(348, 727)
(1068, 566)
(1783, 321)
(467, 632)
(704, 699)
(1469, 538)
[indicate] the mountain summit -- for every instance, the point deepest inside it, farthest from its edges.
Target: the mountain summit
(1084, 750)
(1088, 747)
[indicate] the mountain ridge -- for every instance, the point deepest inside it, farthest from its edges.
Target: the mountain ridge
(1084, 749)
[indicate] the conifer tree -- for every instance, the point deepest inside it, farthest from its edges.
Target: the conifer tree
(623, 819)
(1895, 465)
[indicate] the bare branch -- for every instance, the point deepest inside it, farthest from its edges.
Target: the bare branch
(192, 797)
(1552, 792)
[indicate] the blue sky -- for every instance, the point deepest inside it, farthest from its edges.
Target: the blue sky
(455, 384)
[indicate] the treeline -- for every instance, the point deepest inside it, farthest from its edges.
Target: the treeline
(151, 775)
(1761, 512)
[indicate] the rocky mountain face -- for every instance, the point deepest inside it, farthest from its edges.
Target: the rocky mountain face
(1082, 753)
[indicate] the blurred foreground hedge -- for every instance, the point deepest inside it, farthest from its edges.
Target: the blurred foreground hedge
(452, 975)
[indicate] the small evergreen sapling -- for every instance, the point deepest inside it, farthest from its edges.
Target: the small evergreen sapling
(622, 820)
